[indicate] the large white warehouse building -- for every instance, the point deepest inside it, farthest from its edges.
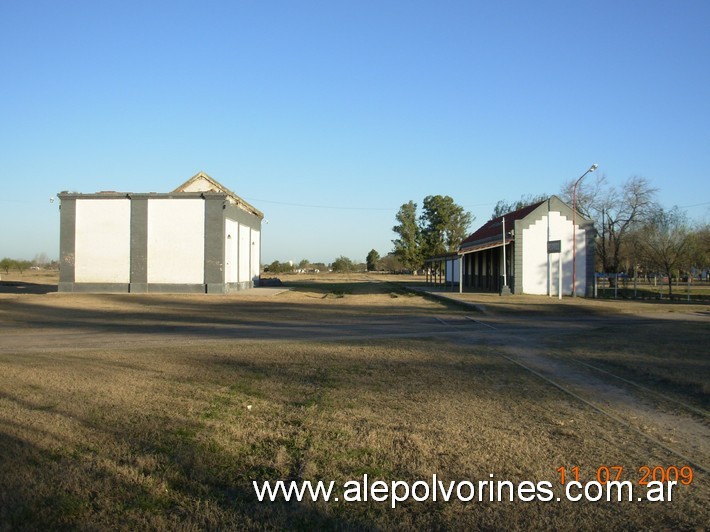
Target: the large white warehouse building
(200, 238)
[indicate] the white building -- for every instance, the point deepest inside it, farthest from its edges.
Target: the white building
(541, 255)
(200, 238)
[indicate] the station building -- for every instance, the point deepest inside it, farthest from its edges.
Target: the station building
(533, 250)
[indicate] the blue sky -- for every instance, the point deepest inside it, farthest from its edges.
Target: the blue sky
(329, 115)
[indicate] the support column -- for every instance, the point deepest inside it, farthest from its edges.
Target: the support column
(460, 274)
(214, 244)
(67, 244)
(139, 246)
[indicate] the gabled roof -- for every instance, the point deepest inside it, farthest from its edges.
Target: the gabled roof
(201, 182)
(491, 233)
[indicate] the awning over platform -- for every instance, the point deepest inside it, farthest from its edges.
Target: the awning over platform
(442, 258)
(483, 247)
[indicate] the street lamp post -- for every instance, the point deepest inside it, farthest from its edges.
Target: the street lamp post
(574, 229)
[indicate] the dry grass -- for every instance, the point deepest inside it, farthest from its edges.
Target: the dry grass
(545, 305)
(671, 356)
(663, 343)
(158, 435)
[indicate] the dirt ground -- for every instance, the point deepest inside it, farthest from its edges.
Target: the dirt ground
(158, 411)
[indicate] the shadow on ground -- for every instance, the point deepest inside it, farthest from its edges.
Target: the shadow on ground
(18, 287)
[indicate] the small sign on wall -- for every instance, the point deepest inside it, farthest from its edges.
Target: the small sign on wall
(554, 246)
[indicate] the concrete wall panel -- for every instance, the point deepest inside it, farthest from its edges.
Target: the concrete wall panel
(176, 241)
(103, 241)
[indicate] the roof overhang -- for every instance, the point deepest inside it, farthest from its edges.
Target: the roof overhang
(442, 258)
(483, 247)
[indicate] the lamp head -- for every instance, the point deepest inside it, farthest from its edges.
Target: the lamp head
(593, 167)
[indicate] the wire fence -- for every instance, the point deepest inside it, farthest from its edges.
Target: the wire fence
(622, 286)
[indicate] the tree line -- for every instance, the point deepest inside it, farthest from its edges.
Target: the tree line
(40, 261)
(7, 264)
(343, 264)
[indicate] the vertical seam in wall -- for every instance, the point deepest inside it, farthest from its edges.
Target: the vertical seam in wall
(239, 252)
(139, 241)
(67, 241)
(205, 242)
(518, 286)
(213, 241)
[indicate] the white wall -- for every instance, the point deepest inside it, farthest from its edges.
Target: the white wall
(176, 240)
(241, 253)
(231, 251)
(244, 249)
(103, 241)
(535, 257)
(255, 255)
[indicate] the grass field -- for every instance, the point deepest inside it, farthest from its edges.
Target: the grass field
(135, 412)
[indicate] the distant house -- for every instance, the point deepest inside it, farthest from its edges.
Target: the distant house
(538, 244)
(199, 238)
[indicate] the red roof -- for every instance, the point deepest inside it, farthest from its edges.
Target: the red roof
(493, 230)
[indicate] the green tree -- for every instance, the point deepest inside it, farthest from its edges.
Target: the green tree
(6, 264)
(407, 248)
(342, 264)
(444, 224)
(280, 267)
(372, 258)
(23, 265)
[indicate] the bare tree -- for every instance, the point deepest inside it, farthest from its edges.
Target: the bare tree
(41, 260)
(588, 194)
(702, 246)
(391, 263)
(666, 243)
(616, 212)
